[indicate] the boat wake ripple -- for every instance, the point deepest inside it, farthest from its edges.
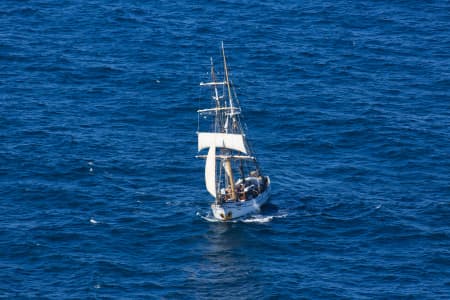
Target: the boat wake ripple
(246, 219)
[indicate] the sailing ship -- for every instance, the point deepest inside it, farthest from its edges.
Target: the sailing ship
(232, 173)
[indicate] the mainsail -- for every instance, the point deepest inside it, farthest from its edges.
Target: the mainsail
(221, 140)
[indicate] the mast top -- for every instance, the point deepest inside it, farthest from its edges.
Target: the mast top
(227, 108)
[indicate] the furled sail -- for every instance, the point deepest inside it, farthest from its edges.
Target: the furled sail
(227, 167)
(221, 140)
(210, 171)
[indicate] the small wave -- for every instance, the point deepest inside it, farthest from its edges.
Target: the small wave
(361, 214)
(93, 221)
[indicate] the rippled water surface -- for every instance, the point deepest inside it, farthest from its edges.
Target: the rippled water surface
(348, 109)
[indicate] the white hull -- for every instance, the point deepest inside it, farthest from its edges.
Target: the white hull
(232, 210)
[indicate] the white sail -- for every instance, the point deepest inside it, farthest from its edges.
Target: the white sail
(210, 171)
(221, 140)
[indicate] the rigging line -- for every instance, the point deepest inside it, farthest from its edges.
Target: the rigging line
(235, 94)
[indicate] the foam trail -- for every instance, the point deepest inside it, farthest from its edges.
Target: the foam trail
(262, 219)
(246, 219)
(258, 219)
(207, 217)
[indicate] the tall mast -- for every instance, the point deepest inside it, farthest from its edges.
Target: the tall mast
(229, 172)
(226, 78)
(218, 119)
(230, 98)
(213, 77)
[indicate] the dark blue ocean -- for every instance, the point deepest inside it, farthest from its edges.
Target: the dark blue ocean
(348, 109)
